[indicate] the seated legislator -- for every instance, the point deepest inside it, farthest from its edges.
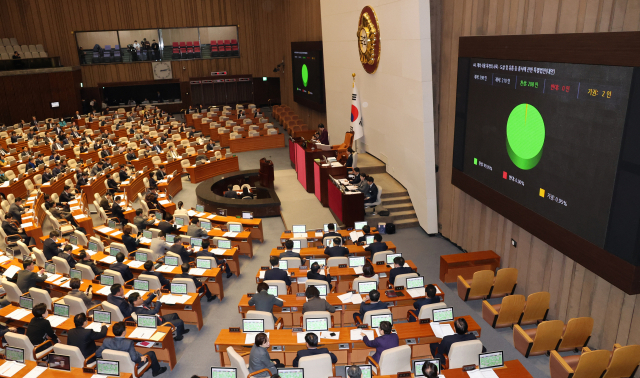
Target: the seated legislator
(337, 250)
(66, 255)
(118, 212)
(230, 193)
(50, 247)
(199, 286)
(112, 184)
(180, 249)
(321, 136)
(123, 173)
(313, 274)
(398, 269)
(376, 246)
(438, 350)
(205, 252)
(374, 304)
(14, 232)
(366, 230)
(371, 195)
(263, 301)
(388, 340)
(149, 269)
(312, 349)
(430, 298)
(131, 242)
(259, 357)
(141, 222)
(30, 276)
(167, 225)
(288, 245)
(39, 329)
(159, 246)
(275, 273)
(83, 338)
(122, 268)
(356, 176)
(86, 295)
(331, 231)
(314, 302)
(117, 299)
(142, 307)
(85, 259)
(195, 230)
(363, 186)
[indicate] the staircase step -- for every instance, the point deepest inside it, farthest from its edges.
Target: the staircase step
(393, 194)
(395, 200)
(405, 214)
(395, 208)
(407, 223)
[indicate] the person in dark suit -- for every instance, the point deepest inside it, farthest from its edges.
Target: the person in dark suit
(82, 180)
(313, 274)
(129, 241)
(332, 231)
(148, 267)
(123, 173)
(371, 195)
(199, 286)
(312, 349)
(438, 350)
(152, 182)
(85, 339)
(322, 135)
(337, 250)
(142, 307)
(47, 175)
(118, 211)
(168, 225)
(14, 233)
(130, 155)
(66, 196)
(142, 222)
(39, 328)
(85, 259)
(388, 340)
(398, 269)
(366, 230)
(430, 298)
(210, 146)
(31, 163)
(66, 254)
(374, 304)
(122, 268)
(161, 173)
(205, 252)
(16, 208)
(349, 163)
(179, 249)
(314, 302)
(117, 299)
(376, 246)
(263, 301)
(121, 343)
(275, 273)
(30, 276)
(288, 245)
(112, 184)
(230, 193)
(50, 247)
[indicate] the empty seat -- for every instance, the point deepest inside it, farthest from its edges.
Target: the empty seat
(39, 48)
(479, 287)
(32, 48)
(586, 365)
(26, 55)
(536, 309)
(537, 341)
(576, 334)
(505, 314)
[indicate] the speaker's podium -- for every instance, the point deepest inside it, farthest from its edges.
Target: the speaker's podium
(347, 206)
(304, 153)
(321, 172)
(266, 173)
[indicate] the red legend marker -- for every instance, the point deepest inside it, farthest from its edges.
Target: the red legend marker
(504, 175)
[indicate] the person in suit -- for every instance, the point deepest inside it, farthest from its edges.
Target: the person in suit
(199, 286)
(374, 304)
(314, 302)
(337, 250)
(31, 163)
(59, 213)
(152, 182)
(179, 249)
(398, 269)
(386, 341)
(85, 259)
(118, 211)
(66, 255)
(363, 187)
(312, 350)
(429, 370)
(15, 233)
(86, 295)
(161, 173)
(47, 175)
(168, 225)
(122, 268)
(121, 343)
(97, 168)
(106, 201)
(366, 230)
(313, 274)
(210, 146)
(349, 163)
(148, 269)
(205, 252)
(112, 184)
(354, 371)
(438, 350)
(16, 208)
(288, 245)
(430, 298)
(230, 193)
(142, 307)
(66, 196)
(129, 241)
(156, 148)
(275, 273)
(172, 153)
(195, 230)
(376, 246)
(123, 173)
(34, 121)
(259, 357)
(85, 339)
(371, 195)
(77, 115)
(141, 222)
(39, 328)
(117, 299)
(263, 301)
(332, 231)
(130, 155)
(29, 277)
(50, 247)
(82, 180)
(321, 136)
(159, 246)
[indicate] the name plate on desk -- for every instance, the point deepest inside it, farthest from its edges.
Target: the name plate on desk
(286, 309)
(296, 329)
(399, 288)
(264, 268)
(404, 374)
(250, 295)
(300, 294)
(280, 248)
(287, 231)
(302, 267)
(342, 265)
(363, 326)
(380, 262)
(234, 329)
(320, 247)
(425, 321)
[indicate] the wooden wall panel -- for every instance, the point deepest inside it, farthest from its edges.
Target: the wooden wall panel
(575, 291)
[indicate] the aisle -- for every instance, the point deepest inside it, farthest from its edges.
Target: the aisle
(298, 206)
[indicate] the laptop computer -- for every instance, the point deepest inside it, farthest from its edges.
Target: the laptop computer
(392, 256)
(73, 240)
(142, 285)
(291, 373)
(196, 242)
(247, 215)
(321, 262)
(102, 316)
(490, 360)
(158, 215)
(377, 319)
(217, 372)
(14, 354)
(50, 268)
(75, 273)
(224, 244)
(235, 227)
(113, 251)
(106, 280)
(297, 244)
(170, 238)
(359, 225)
(443, 314)
(112, 224)
(222, 212)
(61, 310)
(200, 208)
(415, 282)
(59, 362)
(284, 264)
(147, 321)
(203, 263)
(206, 225)
(147, 234)
(141, 256)
(108, 367)
(367, 286)
(252, 325)
(26, 303)
(93, 246)
(355, 261)
(369, 239)
(316, 324)
(418, 365)
(273, 290)
(298, 229)
(178, 288)
(179, 221)
(171, 260)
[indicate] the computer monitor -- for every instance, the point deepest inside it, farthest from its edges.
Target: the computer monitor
(234, 227)
(59, 362)
(61, 310)
(26, 303)
(247, 215)
(113, 251)
(284, 264)
(355, 261)
(171, 260)
(206, 225)
(415, 282)
(217, 372)
(364, 369)
(147, 234)
(252, 325)
(291, 373)
(147, 321)
(418, 364)
(50, 267)
(322, 289)
(14, 354)
(203, 263)
(326, 228)
(299, 228)
(321, 262)
(106, 280)
(93, 246)
(367, 286)
(377, 319)
(316, 324)
(141, 256)
(297, 244)
(158, 215)
(392, 256)
(142, 285)
(224, 244)
(369, 239)
(222, 212)
(179, 221)
(196, 242)
(490, 360)
(273, 290)
(111, 224)
(102, 316)
(170, 238)
(73, 240)
(443, 314)
(178, 288)
(359, 225)
(75, 273)
(108, 367)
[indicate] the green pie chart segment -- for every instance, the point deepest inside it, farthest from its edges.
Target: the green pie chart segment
(305, 75)
(525, 136)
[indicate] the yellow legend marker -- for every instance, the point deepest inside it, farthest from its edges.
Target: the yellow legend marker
(541, 192)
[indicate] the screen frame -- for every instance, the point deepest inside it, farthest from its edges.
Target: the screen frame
(68, 358)
(433, 316)
(378, 316)
(493, 367)
(102, 312)
(243, 320)
(224, 368)
(316, 46)
(320, 330)
(147, 316)
(111, 361)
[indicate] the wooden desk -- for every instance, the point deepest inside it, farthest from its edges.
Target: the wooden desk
(52, 373)
(466, 264)
(304, 164)
(242, 240)
(306, 253)
(173, 185)
(256, 143)
(93, 155)
(347, 208)
(321, 173)
(211, 169)
(511, 369)
(255, 224)
(313, 240)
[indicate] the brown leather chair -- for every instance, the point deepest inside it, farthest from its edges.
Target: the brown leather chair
(479, 287)
(504, 314)
(540, 340)
(536, 309)
(505, 282)
(589, 364)
(624, 361)
(576, 334)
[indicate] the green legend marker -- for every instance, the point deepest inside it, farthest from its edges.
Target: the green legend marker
(525, 136)
(475, 161)
(305, 75)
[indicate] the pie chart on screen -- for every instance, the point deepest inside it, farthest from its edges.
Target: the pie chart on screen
(525, 136)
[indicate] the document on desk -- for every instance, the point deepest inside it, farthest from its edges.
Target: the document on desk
(94, 326)
(441, 330)
(191, 213)
(35, 372)
(197, 271)
(9, 368)
(4, 259)
(141, 292)
(104, 291)
(145, 240)
(336, 164)
(106, 230)
(173, 299)
(230, 234)
(28, 224)
(250, 338)
(157, 336)
(109, 260)
(352, 187)
(164, 202)
(356, 334)
(345, 298)
(218, 251)
(11, 271)
(135, 264)
(438, 291)
(56, 320)
(165, 269)
(142, 333)
(116, 233)
(417, 292)
(358, 270)
(484, 373)
(356, 299)
(319, 234)
(18, 314)
(355, 235)
(74, 208)
(81, 216)
(261, 274)
(300, 235)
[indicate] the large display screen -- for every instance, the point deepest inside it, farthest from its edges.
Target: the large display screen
(548, 136)
(308, 74)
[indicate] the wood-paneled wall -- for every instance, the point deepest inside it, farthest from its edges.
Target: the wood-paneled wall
(574, 290)
(266, 28)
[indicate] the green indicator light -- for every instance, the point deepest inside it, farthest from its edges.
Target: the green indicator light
(475, 161)
(525, 136)
(305, 75)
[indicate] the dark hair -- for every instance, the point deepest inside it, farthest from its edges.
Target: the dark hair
(311, 339)
(261, 338)
(460, 326)
(82, 254)
(161, 234)
(429, 370)
(119, 328)
(366, 229)
(67, 248)
(385, 327)
(194, 220)
(133, 297)
(374, 295)
(377, 237)
(354, 371)
(74, 283)
(356, 169)
(288, 244)
(148, 265)
(312, 292)
(180, 203)
(205, 244)
(39, 310)
(399, 260)
(367, 270)
(262, 286)
(331, 227)
(26, 262)
(337, 240)
(138, 211)
(115, 288)
(52, 234)
(350, 150)
(18, 199)
(315, 267)
(127, 229)
(184, 267)
(120, 257)
(274, 260)
(430, 291)
(321, 126)
(79, 319)
(370, 178)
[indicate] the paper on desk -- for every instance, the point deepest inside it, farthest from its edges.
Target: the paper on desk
(141, 333)
(11, 271)
(191, 213)
(351, 192)
(197, 249)
(61, 281)
(345, 298)
(56, 320)
(352, 187)
(145, 240)
(116, 233)
(173, 299)
(358, 270)
(18, 314)
(74, 208)
(81, 216)
(197, 271)
(355, 334)
(327, 335)
(250, 338)
(165, 268)
(438, 290)
(164, 202)
(90, 252)
(218, 251)
(336, 164)
(6, 183)
(66, 284)
(109, 260)
(230, 234)
(95, 326)
(105, 229)
(200, 215)
(9, 368)
(28, 224)
(319, 234)
(484, 373)
(157, 336)
(73, 202)
(355, 235)
(31, 198)
(261, 274)
(4, 259)
(124, 182)
(135, 264)
(104, 291)
(211, 216)
(441, 330)
(141, 292)
(356, 299)
(417, 292)
(35, 372)
(299, 234)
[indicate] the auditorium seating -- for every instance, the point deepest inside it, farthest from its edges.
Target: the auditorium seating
(588, 364)
(9, 45)
(537, 341)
